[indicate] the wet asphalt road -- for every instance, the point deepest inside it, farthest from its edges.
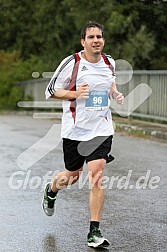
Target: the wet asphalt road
(133, 219)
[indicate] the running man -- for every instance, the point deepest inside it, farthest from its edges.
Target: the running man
(85, 82)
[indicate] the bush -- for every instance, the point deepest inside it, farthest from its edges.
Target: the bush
(12, 71)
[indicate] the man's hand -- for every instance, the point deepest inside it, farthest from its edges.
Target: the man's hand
(118, 97)
(83, 91)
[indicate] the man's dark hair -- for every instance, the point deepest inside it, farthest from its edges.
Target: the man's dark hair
(89, 25)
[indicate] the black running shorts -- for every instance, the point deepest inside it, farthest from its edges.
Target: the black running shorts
(77, 152)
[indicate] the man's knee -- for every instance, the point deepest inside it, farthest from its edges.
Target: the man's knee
(96, 173)
(74, 176)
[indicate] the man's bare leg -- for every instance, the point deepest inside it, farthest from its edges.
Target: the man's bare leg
(61, 180)
(65, 178)
(96, 198)
(96, 201)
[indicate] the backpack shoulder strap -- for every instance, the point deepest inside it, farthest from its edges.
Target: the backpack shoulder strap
(75, 71)
(72, 84)
(106, 60)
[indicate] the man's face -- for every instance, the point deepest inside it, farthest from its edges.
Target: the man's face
(94, 41)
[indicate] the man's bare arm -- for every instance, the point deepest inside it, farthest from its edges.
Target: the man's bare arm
(82, 92)
(115, 94)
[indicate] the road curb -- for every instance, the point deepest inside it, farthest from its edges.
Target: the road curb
(142, 131)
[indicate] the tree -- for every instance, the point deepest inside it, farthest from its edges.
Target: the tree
(134, 30)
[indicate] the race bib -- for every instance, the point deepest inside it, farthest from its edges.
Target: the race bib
(98, 100)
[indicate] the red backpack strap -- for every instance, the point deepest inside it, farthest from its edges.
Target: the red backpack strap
(106, 60)
(72, 85)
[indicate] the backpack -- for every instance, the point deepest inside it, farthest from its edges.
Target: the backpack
(72, 84)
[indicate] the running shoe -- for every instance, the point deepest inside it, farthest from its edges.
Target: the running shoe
(48, 202)
(96, 240)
